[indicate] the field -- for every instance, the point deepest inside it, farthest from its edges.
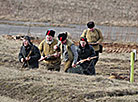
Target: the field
(109, 12)
(40, 85)
(111, 82)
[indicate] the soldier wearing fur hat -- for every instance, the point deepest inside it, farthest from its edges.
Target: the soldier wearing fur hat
(29, 54)
(48, 54)
(86, 57)
(94, 37)
(68, 51)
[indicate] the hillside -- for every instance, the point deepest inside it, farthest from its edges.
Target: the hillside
(110, 12)
(40, 85)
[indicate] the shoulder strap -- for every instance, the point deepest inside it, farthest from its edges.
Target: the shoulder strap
(42, 51)
(97, 32)
(30, 51)
(43, 45)
(85, 33)
(43, 42)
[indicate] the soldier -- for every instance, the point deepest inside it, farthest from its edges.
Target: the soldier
(86, 55)
(68, 51)
(48, 54)
(29, 54)
(94, 37)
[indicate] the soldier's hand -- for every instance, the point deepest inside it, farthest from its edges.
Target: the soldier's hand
(88, 59)
(73, 65)
(56, 55)
(78, 62)
(22, 59)
(55, 47)
(27, 58)
(42, 58)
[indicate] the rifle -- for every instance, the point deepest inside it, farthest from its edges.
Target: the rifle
(25, 63)
(81, 61)
(93, 44)
(48, 56)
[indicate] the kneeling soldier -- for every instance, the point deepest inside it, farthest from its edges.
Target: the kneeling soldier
(86, 56)
(29, 54)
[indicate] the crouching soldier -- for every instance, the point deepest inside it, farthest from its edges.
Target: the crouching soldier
(86, 55)
(50, 56)
(68, 51)
(29, 54)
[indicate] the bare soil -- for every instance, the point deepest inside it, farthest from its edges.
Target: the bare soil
(40, 85)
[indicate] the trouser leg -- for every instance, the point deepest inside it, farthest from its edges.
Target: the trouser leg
(96, 59)
(93, 69)
(67, 65)
(53, 67)
(77, 69)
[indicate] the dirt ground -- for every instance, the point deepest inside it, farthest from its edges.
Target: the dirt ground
(40, 85)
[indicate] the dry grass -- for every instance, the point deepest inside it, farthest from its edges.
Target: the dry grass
(40, 85)
(109, 12)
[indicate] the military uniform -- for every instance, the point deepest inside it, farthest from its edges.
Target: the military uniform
(69, 57)
(33, 53)
(46, 49)
(69, 53)
(94, 36)
(86, 67)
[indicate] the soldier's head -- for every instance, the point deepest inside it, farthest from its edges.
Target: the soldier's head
(83, 42)
(26, 41)
(62, 37)
(90, 24)
(50, 35)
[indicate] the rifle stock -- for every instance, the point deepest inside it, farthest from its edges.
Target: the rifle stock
(25, 63)
(52, 55)
(81, 61)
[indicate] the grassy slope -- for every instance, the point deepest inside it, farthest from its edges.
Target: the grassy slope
(42, 85)
(117, 12)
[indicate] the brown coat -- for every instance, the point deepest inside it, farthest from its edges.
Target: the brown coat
(93, 37)
(48, 49)
(70, 54)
